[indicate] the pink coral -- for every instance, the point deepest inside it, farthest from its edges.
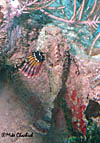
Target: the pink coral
(77, 108)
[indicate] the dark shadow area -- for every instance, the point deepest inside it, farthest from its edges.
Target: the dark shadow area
(92, 110)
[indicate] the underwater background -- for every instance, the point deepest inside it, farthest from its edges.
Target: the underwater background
(49, 71)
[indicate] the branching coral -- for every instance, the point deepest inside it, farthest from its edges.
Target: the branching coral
(84, 13)
(81, 15)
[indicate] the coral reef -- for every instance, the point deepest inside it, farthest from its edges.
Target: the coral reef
(78, 108)
(60, 102)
